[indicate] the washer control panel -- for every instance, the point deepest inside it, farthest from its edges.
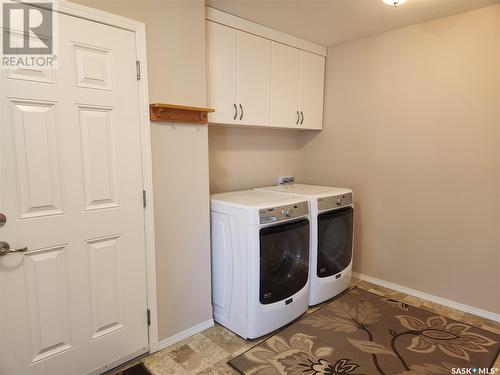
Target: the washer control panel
(335, 201)
(290, 211)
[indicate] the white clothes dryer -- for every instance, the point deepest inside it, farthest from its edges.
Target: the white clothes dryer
(260, 260)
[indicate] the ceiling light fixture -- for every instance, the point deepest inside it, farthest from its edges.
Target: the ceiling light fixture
(394, 3)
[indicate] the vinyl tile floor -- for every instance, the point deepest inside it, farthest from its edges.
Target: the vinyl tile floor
(207, 352)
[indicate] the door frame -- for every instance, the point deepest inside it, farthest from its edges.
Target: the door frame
(139, 29)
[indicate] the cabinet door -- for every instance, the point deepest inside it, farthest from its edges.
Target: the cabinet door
(221, 72)
(285, 85)
(312, 79)
(254, 79)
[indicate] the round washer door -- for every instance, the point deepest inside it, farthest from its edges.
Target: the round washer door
(284, 260)
(335, 229)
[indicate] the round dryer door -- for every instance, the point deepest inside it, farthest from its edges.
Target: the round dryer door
(334, 241)
(284, 260)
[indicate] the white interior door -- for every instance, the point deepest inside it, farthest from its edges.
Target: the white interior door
(221, 73)
(285, 79)
(71, 184)
(312, 81)
(254, 79)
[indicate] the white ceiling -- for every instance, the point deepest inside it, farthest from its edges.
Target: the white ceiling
(329, 22)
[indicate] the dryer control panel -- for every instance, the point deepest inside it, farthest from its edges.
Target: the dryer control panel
(289, 211)
(335, 201)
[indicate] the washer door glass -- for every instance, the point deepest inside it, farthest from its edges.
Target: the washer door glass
(284, 260)
(334, 241)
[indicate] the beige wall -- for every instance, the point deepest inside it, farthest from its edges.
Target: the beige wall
(176, 63)
(246, 158)
(412, 124)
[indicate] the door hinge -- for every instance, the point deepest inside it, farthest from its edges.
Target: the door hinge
(138, 69)
(144, 199)
(149, 316)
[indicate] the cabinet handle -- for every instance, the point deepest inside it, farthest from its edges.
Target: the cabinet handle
(241, 109)
(235, 111)
(302, 121)
(298, 118)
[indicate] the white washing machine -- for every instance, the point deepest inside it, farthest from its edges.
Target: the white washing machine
(260, 260)
(331, 237)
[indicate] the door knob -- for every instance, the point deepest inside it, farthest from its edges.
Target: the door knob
(5, 249)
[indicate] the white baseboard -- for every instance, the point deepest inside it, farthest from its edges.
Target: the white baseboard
(429, 297)
(185, 334)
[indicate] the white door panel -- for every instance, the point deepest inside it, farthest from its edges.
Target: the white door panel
(98, 157)
(71, 181)
(254, 79)
(47, 295)
(37, 157)
(285, 84)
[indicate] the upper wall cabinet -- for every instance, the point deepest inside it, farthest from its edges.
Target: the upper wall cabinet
(297, 81)
(222, 69)
(261, 77)
(285, 83)
(253, 79)
(312, 82)
(239, 74)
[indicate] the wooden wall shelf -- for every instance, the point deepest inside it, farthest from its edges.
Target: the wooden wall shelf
(179, 113)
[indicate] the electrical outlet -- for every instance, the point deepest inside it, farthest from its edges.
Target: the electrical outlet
(282, 180)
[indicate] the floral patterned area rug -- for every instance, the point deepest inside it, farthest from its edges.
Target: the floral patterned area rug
(364, 333)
